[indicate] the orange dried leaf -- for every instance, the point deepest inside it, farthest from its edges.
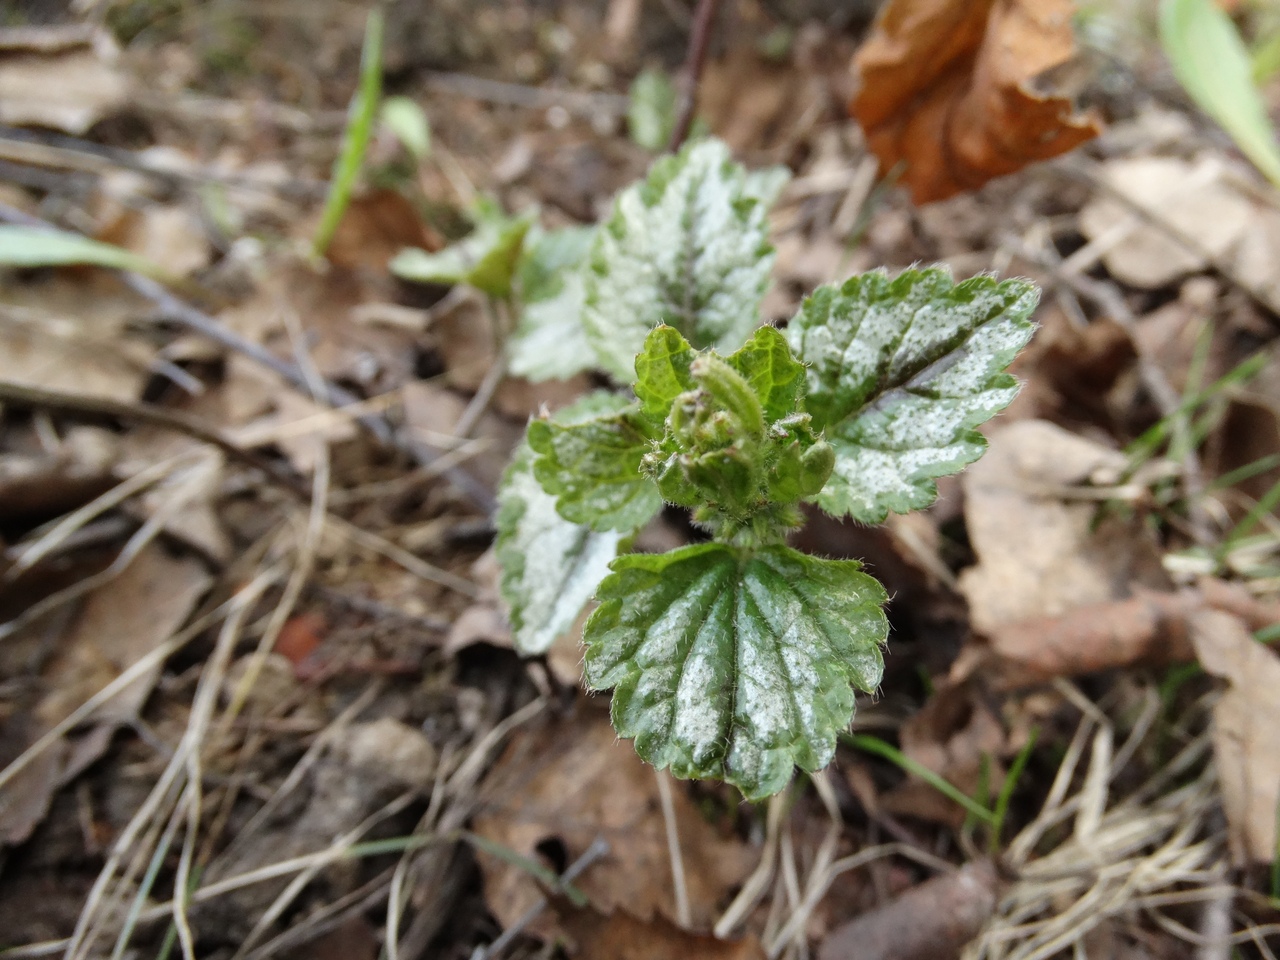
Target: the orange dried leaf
(948, 89)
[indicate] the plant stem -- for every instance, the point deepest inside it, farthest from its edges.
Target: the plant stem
(695, 60)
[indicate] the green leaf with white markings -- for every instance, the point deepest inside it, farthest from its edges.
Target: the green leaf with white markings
(732, 664)
(550, 566)
(589, 458)
(485, 259)
(900, 372)
(549, 343)
(688, 247)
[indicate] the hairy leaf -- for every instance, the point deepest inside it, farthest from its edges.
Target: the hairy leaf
(589, 460)
(687, 247)
(486, 259)
(736, 444)
(732, 664)
(549, 343)
(900, 372)
(662, 370)
(550, 566)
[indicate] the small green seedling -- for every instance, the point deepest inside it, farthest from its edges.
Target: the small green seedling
(733, 658)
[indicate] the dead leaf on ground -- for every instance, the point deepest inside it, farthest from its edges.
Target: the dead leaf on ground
(1023, 483)
(1150, 628)
(120, 623)
(930, 922)
(71, 335)
(953, 90)
(1246, 732)
(621, 936)
(570, 781)
(377, 226)
(68, 89)
(40, 483)
(1179, 199)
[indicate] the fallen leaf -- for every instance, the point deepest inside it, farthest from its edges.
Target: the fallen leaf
(932, 921)
(1178, 199)
(1022, 484)
(952, 89)
(67, 89)
(40, 484)
(1246, 732)
(621, 936)
(119, 624)
(375, 227)
(1151, 628)
(300, 636)
(72, 337)
(569, 781)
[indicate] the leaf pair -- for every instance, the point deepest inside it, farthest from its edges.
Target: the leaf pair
(686, 246)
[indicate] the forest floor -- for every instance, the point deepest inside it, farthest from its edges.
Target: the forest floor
(270, 677)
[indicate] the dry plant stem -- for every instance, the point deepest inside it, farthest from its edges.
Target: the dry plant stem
(758, 882)
(59, 152)
(587, 104)
(199, 322)
(133, 546)
(678, 887)
(305, 876)
(100, 408)
(360, 901)
(599, 847)
(1153, 378)
(90, 920)
(695, 60)
(61, 531)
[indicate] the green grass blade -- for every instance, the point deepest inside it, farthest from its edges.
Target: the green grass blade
(532, 867)
(881, 749)
(31, 247)
(1212, 63)
(1266, 503)
(1010, 784)
(355, 140)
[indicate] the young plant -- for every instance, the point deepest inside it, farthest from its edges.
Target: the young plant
(733, 658)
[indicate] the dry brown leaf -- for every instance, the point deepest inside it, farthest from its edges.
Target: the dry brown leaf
(1072, 559)
(620, 936)
(70, 334)
(950, 88)
(570, 781)
(1191, 200)
(1246, 731)
(68, 89)
(930, 922)
(119, 624)
(47, 484)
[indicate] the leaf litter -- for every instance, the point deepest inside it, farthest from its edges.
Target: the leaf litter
(311, 667)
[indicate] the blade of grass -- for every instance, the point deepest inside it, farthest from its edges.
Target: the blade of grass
(1011, 779)
(29, 247)
(1266, 503)
(877, 746)
(1147, 443)
(548, 877)
(355, 139)
(1247, 472)
(1211, 62)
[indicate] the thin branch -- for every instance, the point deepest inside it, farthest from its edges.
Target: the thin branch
(695, 60)
(198, 321)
